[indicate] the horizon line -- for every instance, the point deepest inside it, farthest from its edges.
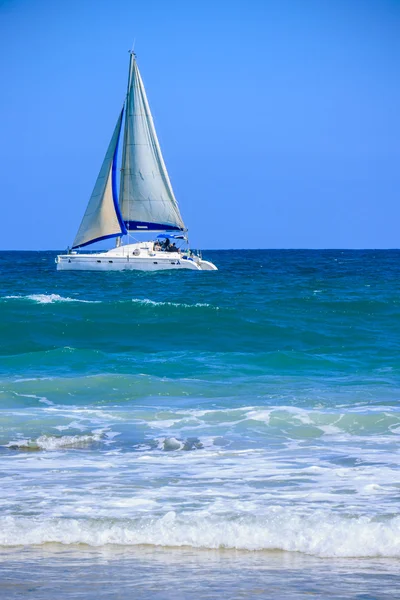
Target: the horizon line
(286, 249)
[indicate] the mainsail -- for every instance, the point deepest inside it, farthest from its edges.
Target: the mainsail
(102, 218)
(147, 200)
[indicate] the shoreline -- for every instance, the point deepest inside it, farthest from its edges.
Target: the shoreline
(164, 573)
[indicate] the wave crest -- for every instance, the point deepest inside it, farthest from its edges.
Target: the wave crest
(48, 298)
(56, 298)
(147, 302)
(53, 442)
(321, 535)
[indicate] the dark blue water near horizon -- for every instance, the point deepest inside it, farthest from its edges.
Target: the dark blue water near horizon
(282, 309)
(253, 409)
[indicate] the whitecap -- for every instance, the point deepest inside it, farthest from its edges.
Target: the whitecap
(49, 298)
(146, 301)
(322, 534)
(42, 399)
(53, 442)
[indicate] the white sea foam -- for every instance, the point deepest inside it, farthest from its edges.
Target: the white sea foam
(322, 534)
(72, 425)
(146, 301)
(42, 399)
(48, 298)
(259, 415)
(51, 298)
(162, 424)
(52, 442)
(329, 429)
(25, 379)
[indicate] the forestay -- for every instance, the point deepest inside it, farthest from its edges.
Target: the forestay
(102, 218)
(147, 200)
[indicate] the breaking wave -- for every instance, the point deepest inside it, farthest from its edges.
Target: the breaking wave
(48, 298)
(146, 301)
(53, 298)
(321, 534)
(53, 442)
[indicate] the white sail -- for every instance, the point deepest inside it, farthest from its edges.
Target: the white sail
(146, 197)
(102, 218)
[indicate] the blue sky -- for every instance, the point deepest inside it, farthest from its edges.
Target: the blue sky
(278, 120)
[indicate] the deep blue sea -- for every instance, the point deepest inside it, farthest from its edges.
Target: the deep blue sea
(196, 434)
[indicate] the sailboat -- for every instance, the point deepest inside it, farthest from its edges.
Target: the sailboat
(146, 201)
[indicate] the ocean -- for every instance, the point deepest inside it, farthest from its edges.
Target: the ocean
(201, 434)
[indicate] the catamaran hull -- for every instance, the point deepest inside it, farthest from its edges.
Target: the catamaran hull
(71, 262)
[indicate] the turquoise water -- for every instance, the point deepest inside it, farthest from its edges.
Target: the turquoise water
(251, 409)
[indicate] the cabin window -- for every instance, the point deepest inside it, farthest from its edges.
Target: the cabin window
(110, 261)
(155, 263)
(99, 261)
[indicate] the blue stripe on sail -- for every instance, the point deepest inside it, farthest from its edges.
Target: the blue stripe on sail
(99, 239)
(146, 226)
(114, 182)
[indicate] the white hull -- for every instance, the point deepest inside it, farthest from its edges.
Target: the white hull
(132, 257)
